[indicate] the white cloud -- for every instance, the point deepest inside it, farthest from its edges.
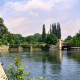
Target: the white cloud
(33, 13)
(40, 4)
(70, 27)
(17, 24)
(27, 17)
(31, 4)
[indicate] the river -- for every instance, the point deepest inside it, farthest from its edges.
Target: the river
(55, 65)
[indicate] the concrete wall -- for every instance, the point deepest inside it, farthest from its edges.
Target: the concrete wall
(4, 48)
(2, 73)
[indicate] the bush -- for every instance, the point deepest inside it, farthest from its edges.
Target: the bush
(18, 73)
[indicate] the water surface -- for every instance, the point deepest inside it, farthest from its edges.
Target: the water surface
(55, 65)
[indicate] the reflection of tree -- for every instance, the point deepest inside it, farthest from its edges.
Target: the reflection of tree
(55, 57)
(74, 55)
(52, 57)
(55, 69)
(44, 59)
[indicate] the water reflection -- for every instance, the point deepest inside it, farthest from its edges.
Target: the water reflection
(55, 57)
(4, 54)
(52, 57)
(74, 55)
(45, 64)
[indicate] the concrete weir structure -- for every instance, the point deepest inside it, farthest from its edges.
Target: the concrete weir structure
(4, 48)
(31, 47)
(2, 73)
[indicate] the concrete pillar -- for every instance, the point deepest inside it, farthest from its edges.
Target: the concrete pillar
(60, 44)
(19, 48)
(31, 48)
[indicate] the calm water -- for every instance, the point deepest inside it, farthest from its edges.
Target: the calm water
(57, 65)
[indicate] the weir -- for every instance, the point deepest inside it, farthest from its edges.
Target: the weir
(31, 47)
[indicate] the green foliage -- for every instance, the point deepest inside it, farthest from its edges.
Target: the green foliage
(50, 29)
(38, 37)
(18, 73)
(0, 41)
(51, 39)
(73, 41)
(3, 29)
(31, 39)
(54, 30)
(58, 31)
(43, 34)
(68, 38)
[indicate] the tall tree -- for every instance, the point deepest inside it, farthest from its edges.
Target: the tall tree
(43, 33)
(50, 29)
(54, 28)
(58, 31)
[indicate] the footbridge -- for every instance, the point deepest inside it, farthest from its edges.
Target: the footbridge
(37, 47)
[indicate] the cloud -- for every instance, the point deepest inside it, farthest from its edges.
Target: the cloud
(46, 5)
(70, 27)
(28, 16)
(31, 4)
(17, 24)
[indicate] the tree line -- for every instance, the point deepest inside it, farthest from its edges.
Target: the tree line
(73, 41)
(45, 38)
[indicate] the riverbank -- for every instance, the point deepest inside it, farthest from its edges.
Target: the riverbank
(2, 73)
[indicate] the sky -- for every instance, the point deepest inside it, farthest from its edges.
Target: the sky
(27, 17)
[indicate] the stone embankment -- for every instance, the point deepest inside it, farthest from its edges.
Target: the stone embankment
(4, 48)
(2, 73)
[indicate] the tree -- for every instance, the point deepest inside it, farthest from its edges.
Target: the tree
(73, 41)
(0, 41)
(43, 34)
(68, 38)
(54, 29)
(51, 39)
(31, 39)
(58, 31)
(50, 29)
(3, 29)
(37, 36)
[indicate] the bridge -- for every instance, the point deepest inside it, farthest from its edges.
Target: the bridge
(31, 47)
(37, 47)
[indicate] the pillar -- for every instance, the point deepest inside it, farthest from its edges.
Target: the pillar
(60, 44)
(31, 48)
(19, 48)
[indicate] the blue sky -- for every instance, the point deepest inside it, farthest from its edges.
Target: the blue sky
(27, 17)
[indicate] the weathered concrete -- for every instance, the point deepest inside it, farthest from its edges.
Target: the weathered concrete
(60, 44)
(2, 73)
(4, 48)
